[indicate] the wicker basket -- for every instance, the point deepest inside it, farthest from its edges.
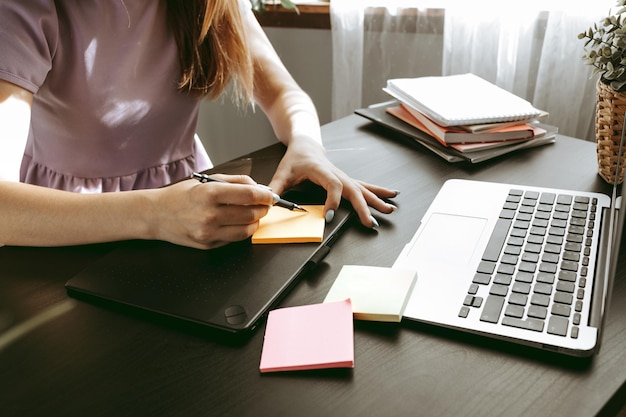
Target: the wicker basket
(610, 108)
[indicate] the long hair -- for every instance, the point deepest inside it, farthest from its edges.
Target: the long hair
(212, 47)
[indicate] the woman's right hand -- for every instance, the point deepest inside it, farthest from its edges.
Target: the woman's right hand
(188, 213)
(208, 215)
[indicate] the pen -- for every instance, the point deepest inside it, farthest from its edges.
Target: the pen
(277, 200)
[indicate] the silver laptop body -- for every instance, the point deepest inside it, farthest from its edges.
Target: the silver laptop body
(550, 285)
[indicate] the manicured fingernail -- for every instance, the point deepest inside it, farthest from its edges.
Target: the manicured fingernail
(330, 215)
(393, 207)
(397, 193)
(375, 224)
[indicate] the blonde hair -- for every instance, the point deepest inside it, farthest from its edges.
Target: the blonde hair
(212, 47)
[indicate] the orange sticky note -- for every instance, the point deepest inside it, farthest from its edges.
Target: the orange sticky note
(314, 336)
(285, 226)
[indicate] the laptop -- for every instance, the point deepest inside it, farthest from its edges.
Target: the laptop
(529, 265)
(229, 289)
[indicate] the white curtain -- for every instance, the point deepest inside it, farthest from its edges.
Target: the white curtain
(529, 48)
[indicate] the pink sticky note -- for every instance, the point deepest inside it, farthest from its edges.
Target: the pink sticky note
(309, 337)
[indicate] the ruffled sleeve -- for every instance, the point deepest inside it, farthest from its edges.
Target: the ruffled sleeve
(28, 38)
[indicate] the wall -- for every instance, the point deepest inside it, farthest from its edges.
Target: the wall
(227, 132)
(307, 53)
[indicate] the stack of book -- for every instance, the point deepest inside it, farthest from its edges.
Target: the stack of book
(463, 117)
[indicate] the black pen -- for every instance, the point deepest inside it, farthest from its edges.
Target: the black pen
(277, 200)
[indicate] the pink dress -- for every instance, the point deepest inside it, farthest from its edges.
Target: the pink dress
(106, 114)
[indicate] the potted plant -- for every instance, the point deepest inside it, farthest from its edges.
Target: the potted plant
(259, 5)
(605, 50)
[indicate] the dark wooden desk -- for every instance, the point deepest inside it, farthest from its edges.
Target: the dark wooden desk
(84, 360)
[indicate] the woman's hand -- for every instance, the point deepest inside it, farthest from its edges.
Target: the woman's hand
(294, 120)
(208, 215)
(306, 160)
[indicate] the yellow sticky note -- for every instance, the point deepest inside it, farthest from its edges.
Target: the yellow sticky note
(377, 293)
(285, 226)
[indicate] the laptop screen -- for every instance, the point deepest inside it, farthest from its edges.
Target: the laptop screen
(616, 224)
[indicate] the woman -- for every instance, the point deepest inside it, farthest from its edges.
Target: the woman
(102, 96)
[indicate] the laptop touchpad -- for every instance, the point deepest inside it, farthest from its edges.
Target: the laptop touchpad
(448, 238)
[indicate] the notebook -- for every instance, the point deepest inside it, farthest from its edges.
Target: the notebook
(229, 289)
(452, 135)
(377, 113)
(462, 99)
(529, 265)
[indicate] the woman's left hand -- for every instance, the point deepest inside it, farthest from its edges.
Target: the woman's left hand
(306, 160)
(294, 119)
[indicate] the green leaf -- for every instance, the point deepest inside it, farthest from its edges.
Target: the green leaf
(259, 5)
(288, 4)
(617, 85)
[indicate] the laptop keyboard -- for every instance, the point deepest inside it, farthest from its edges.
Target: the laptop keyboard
(536, 263)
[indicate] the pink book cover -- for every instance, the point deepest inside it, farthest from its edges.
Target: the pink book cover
(448, 135)
(314, 336)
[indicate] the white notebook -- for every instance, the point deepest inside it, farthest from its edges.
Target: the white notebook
(464, 99)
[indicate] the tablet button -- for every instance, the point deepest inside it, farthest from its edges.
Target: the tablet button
(235, 314)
